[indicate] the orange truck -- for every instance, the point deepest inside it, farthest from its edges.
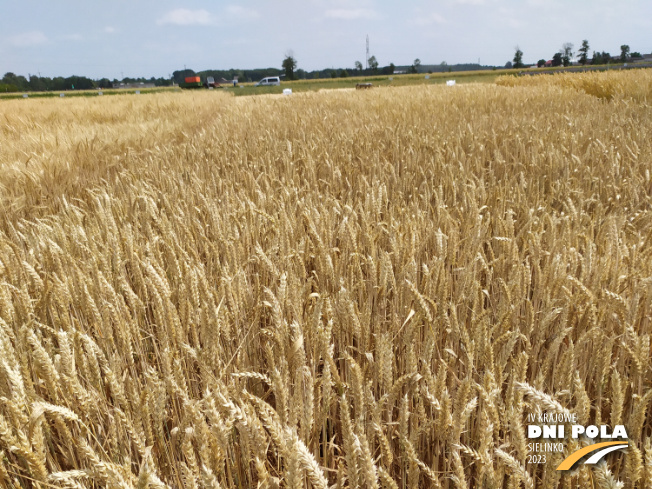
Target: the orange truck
(195, 82)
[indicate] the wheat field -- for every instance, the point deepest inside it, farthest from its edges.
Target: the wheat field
(340, 289)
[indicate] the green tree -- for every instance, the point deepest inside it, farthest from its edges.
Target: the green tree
(600, 58)
(12, 80)
(80, 83)
(624, 52)
(36, 83)
(541, 63)
(373, 64)
(567, 53)
(289, 65)
(518, 58)
(344, 74)
(557, 59)
(358, 66)
(584, 52)
(9, 77)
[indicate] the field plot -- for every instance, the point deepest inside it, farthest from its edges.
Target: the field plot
(361, 289)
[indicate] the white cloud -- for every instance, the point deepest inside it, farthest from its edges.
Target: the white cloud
(514, 23)
(429, 19)
(351, 14)
(471, 2)
(238, 41)
(73, 37)
(242, 13)
(182, 16)
(31, 38)
(109, 29)
(510, 18)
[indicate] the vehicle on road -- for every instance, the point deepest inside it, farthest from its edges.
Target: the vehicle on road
(195, 82)
(269, 81)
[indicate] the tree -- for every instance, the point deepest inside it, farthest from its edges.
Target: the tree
(584, 52)
(541, 63)
(567, 53)
(417, 65)
(557, 59)
(624, 52)
(392, 68)
(289, 64)
(344, 74)
(36, 83)
(358, 66)
(600, 58)
(373, 63)
(12, 80)
(518, 58)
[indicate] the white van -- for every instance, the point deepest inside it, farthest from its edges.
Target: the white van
(269, 81)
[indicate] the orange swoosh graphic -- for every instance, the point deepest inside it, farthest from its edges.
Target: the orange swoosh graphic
(575, 456)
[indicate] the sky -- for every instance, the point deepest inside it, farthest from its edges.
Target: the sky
(120, 38)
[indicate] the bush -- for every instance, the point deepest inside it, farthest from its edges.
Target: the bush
(6, 87)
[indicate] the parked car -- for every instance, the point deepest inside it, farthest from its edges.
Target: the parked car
(269, 81)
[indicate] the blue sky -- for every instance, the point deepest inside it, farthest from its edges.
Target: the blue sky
(118, 38)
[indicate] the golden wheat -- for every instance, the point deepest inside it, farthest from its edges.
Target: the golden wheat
(339, 288)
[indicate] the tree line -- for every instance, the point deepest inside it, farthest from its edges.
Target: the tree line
(33, 83)
(565, 55)
(11, 82)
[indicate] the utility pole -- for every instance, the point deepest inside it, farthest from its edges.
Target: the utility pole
(367, 57)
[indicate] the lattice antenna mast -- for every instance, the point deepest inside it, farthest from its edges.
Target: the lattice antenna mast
(367, 57)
